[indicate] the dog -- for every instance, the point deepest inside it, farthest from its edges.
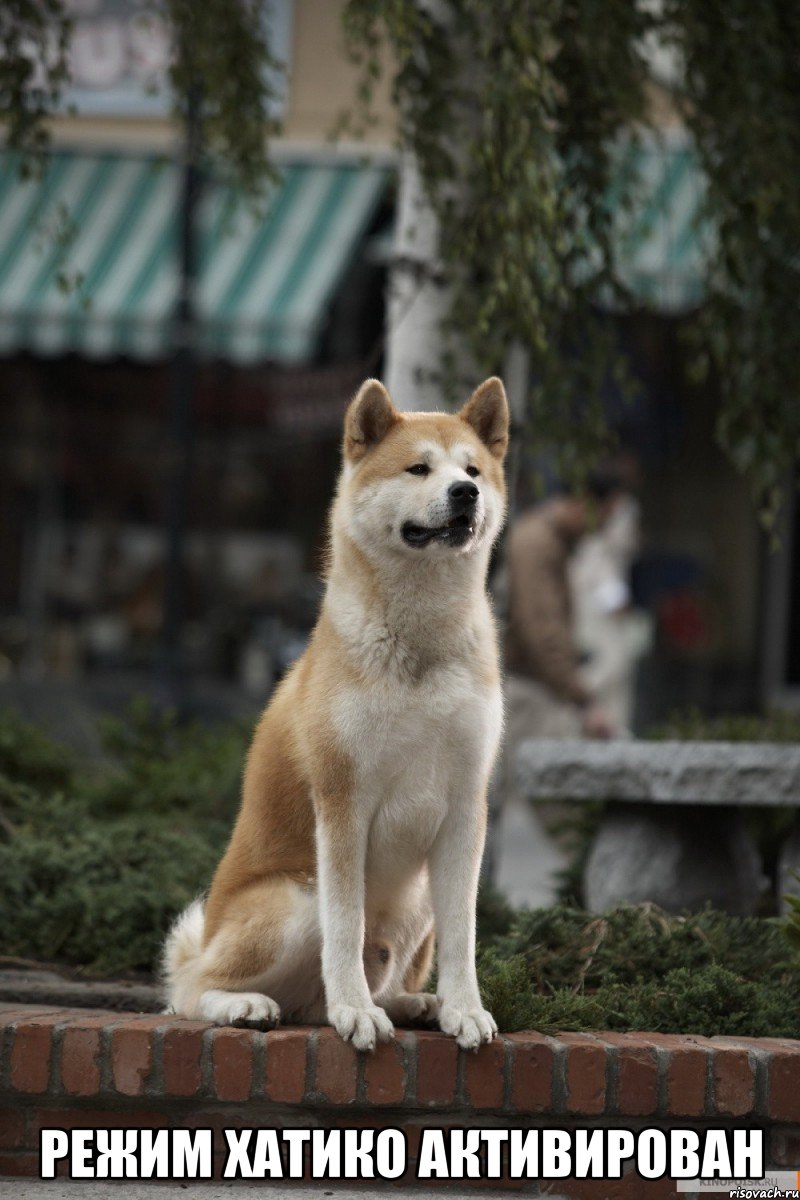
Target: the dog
(363, 812)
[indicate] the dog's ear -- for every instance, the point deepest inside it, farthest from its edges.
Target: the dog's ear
(487, 412)
(369, 418)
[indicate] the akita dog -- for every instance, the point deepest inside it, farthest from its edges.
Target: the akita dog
(363, 814)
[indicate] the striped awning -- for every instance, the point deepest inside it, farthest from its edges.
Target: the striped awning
(663, 245)
(88, 257)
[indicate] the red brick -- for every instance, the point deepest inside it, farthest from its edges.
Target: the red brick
(80, 1118)
(784, 1084)
(772, 1043)
(99, 1016)
(92, 1018)
(385, 1073)
(630, 1187)
(734, 1083)
(686, 1073)
(585, 1074)
(182, 1049)
(22, 1165)
(81, 1049)
(686, 1083)
(12, 1128)
(80, 1061)
(232, 1063)
(437, 1063)
(31, 1054)
(483, 1075)
(784, 1147)
(12, 1013)
(216, 1119)
(748, 1043)
(637, 1073)
(151, 1021)
(132, 1056)
(337, 1066)
(532, 1062)
(479, 1186)
(363, 1119)
(286, 1065)
(413, 1131)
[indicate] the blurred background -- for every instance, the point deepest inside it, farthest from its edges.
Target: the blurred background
(175, 360)
(216, 220)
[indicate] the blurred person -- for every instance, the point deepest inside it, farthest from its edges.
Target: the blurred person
(611, 634)
(547, 695)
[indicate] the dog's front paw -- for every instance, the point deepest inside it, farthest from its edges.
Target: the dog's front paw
(361, 1026)
(413, 1006)
(469, 1026)
(249, 1009)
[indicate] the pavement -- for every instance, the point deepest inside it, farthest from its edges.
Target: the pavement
(65, 1189)
(527, 859)
(69, 710)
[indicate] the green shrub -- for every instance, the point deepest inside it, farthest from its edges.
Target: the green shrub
(158, 764)
(637, 968)
(567, 947)
(30, 756)
(95, 863)
(792, 923)
(692, 725)
(710, 1002)
(100, 894)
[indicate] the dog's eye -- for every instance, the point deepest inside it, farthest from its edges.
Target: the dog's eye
(419, 469)
(472, 471)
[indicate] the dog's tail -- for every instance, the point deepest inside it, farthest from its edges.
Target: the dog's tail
(180, 959)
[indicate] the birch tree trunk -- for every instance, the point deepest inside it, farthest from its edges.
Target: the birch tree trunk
(418, 296)
(417, 300)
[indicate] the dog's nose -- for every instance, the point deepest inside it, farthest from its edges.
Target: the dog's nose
(462, 494)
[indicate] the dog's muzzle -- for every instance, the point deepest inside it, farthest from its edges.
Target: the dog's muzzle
(462, 498)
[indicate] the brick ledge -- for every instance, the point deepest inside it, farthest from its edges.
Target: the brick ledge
(83, 1053)
(88, 1067)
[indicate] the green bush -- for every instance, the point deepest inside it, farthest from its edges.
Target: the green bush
(100, 894)
(691, 725)
(637, 968)
(710, 1002)
(95, 862)
(160, 765)
(30, 756)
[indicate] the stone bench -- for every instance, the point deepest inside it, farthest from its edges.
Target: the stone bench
(672, 832)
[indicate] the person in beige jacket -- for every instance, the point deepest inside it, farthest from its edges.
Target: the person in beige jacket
(546, 693)
(612, 633)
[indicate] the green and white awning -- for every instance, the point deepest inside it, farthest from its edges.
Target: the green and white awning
(88, 252)
(663, 245)
(88, 257)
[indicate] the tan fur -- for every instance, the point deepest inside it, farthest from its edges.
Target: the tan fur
(418, 973)
(301, 782)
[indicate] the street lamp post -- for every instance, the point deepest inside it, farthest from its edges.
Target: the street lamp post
(182, 382)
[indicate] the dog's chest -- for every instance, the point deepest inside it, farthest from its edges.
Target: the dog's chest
(392, 731)
(416, 750)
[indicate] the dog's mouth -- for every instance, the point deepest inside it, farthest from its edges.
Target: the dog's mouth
(456, 532)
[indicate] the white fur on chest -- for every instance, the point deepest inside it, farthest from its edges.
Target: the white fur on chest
(394, 731)
(416, 750)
